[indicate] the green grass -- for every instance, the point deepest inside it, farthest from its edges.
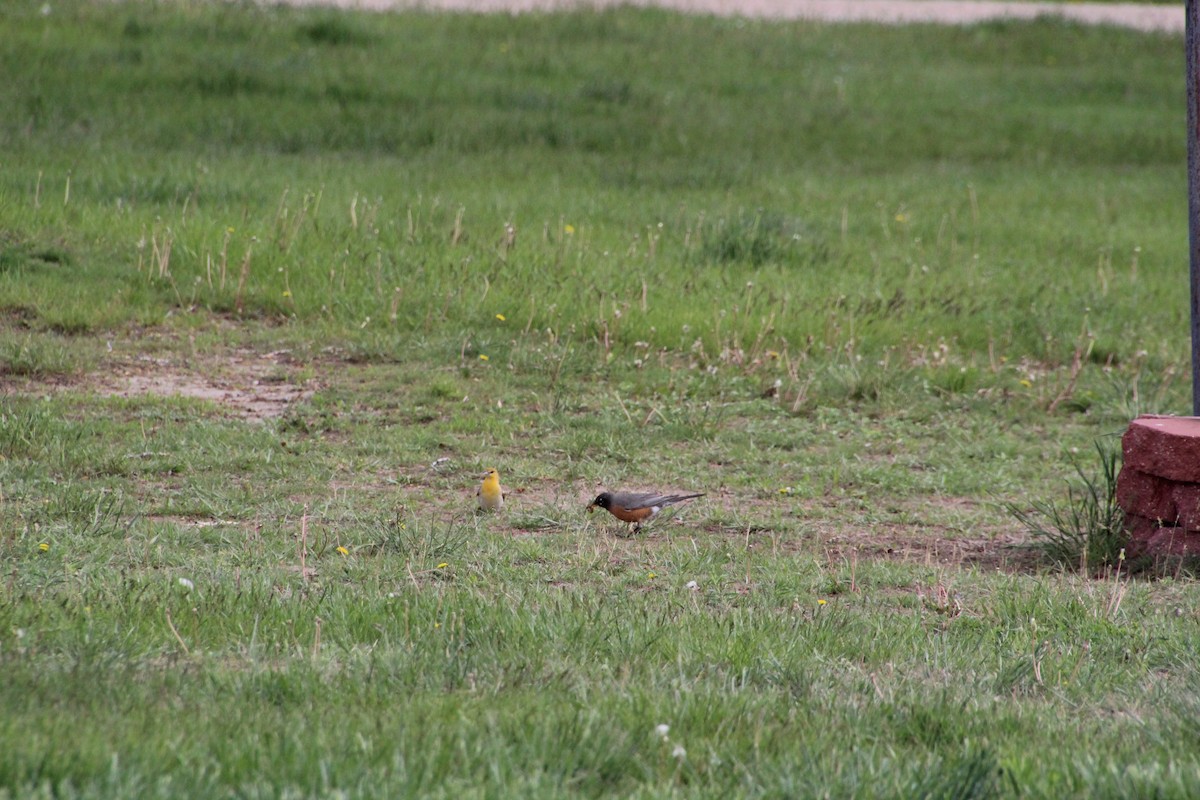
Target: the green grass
(276, 286)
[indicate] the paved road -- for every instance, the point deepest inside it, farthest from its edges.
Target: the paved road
(1161, 18)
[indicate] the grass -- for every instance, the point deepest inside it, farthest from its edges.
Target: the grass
(278, 285)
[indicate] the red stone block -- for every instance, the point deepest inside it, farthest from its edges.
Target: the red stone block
(1166, 447)
(1148, 537)
(1172, 502)
(1142, 494)
(1159, 486)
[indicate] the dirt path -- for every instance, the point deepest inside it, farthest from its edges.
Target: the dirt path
(1161, 18)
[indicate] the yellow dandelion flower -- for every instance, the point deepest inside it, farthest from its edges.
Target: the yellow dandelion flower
(821, 602)
(501, 317)
(44, 546)
(343, 550)
(568, 229)
(442, 565)
(437, 625)
(652, 576)
(287, 292)
(1028, 384)
(902, 218)
(482, 357)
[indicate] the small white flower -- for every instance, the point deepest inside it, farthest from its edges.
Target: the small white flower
(692, 585)
(662, 730)
(679, 752)
(185, 583)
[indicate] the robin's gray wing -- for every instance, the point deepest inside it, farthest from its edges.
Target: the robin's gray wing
(635, 500)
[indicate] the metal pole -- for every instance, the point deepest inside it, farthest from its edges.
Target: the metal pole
(1191, 45)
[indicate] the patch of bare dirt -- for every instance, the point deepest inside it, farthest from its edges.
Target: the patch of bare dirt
(247, 385)
(932, 531)
(912, 544)
(244, 384)
(937, 531)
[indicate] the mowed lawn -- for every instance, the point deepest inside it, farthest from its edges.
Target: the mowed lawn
(277, 286)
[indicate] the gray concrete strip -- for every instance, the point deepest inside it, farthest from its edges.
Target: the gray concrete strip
(1153, 18)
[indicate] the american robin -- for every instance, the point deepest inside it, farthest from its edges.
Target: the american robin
(636, 507)
(491, 497)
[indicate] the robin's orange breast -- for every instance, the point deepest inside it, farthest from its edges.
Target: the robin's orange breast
(631, 514)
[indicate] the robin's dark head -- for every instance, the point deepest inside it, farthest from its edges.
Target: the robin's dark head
(603, 500)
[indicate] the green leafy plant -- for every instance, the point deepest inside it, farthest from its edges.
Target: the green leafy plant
(1087, 530)
(419, 540)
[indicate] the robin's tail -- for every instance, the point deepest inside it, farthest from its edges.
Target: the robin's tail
(671, 499)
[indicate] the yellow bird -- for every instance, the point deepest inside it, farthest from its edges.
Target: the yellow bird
(491, 497)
